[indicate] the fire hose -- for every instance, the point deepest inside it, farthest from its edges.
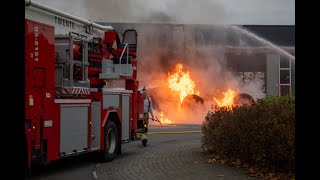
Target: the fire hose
(156, 120)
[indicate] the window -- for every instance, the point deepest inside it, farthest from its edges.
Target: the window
(284, 76)
(284, 62)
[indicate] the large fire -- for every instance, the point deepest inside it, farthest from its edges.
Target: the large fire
(181, 83)
(227, 99)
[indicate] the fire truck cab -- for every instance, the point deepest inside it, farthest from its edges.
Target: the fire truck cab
(71, 108)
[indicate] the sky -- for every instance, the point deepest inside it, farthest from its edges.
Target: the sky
(235, 12)
(279, 12)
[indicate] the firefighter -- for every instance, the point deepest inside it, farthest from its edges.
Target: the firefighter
(148, 109)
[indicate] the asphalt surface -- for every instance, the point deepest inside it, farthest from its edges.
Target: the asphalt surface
(172, 152)
(80, 168)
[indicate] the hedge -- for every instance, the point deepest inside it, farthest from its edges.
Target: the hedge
(263, 133)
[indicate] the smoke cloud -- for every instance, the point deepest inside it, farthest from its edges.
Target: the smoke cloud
(161, 45)
(144, 11)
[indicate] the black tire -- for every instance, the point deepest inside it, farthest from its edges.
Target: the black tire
(111, 142)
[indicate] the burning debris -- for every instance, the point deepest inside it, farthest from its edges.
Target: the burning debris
(164, 120)
(243, 98)
(192, 101)
(183, 100)
(227, 100)
(181, 83)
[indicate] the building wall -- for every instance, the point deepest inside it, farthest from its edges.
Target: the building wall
(293, 76)
(272, 74)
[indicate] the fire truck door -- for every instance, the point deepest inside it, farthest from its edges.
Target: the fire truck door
(96, 125)
(125, 117)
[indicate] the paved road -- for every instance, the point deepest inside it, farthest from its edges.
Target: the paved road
(167, 156)
(79, 168)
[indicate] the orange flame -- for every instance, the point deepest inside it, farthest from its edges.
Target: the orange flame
(164, 120)
(182, 83)
(227, 99)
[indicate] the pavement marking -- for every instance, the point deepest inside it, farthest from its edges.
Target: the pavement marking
(95, 174)
(176, 132)
(98, 165)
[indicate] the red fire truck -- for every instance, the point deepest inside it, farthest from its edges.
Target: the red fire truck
(72, 104)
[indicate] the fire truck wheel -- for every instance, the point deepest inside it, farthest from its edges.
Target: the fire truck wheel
(111, 144)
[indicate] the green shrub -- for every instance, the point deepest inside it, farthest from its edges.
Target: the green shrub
(263, 133)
